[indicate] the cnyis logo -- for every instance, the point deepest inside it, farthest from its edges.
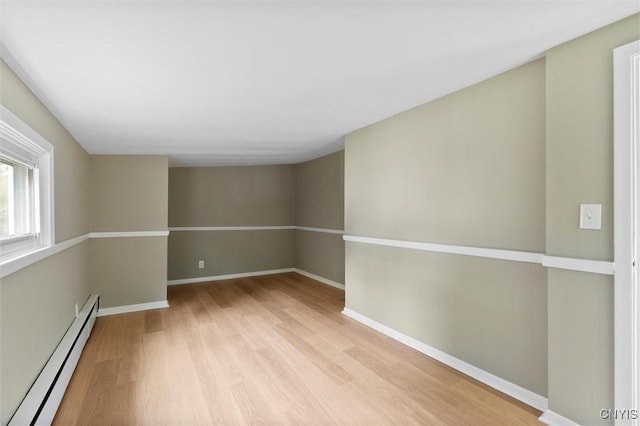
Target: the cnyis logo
(618, 414)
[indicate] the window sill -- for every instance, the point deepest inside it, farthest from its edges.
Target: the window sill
(21, 260)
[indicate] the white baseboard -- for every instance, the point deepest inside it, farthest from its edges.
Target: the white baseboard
(319, 278)
(228, 276)
(256, 274)
(555, 419)
(133, 308)
(530, 398)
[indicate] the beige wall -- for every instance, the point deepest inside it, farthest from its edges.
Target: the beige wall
(230, 196)
(37, 303)
(321, 254)
(320, 204)
(128, 271)
(470, 169)
(490, 313)
(308, 194)
(320, 192)
(466, 169)
(229, 252)
(130, 193)
(580, 170)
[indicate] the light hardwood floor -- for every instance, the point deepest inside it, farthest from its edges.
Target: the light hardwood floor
(267, 350)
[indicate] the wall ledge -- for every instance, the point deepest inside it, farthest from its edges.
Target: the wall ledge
(568, 263)
(254, 228)
(128, 234)
(16, 264)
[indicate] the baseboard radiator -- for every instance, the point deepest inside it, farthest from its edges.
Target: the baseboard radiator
(43, 399)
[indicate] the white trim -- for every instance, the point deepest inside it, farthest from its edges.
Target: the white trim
(582, 265)
(128, 234)
(17, 138)
(228, 228)
(27, 412)
(519, 256)
(319, 278)
(554, 419)
(254, 228)
(324, 230)
(228, 276)
(626, 62)
(16, 264)
(133, 308)
(10, 266)
(530, 398)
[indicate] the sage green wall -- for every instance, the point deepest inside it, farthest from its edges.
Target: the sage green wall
(490, 313)
(466, 169)
(230, 196)
(229, 252)
(580, 170)
(321, 254)
(320, 204)
(38, 302)
(130, 193)
(320, 192)
(128, 271)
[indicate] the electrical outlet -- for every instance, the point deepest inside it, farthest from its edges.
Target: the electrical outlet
(77, 309)
(200, 264)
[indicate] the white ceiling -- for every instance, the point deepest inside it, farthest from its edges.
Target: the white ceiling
(266, 82)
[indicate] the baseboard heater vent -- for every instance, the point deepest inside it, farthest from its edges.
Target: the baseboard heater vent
(43, 399)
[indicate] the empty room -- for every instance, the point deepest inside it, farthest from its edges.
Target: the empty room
(320, 212)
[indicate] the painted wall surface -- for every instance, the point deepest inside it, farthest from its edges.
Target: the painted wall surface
(321, 254)
(579, 160)
(130, 193)
(490, 313)
(230, 196)
(320, 204)
(38, 302)
(37, 308)
(128, 271)
(229, 252)
(320, 192)
(466, 169)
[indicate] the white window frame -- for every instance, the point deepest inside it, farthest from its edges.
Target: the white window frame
(22, 144)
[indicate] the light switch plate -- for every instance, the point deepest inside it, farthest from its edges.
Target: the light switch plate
(590, 216)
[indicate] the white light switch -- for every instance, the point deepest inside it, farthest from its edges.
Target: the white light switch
(590, 216)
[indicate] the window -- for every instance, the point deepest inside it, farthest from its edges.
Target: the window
(26, 189)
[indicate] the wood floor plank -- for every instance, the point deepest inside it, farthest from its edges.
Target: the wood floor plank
(267, 350)
(96, 410)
